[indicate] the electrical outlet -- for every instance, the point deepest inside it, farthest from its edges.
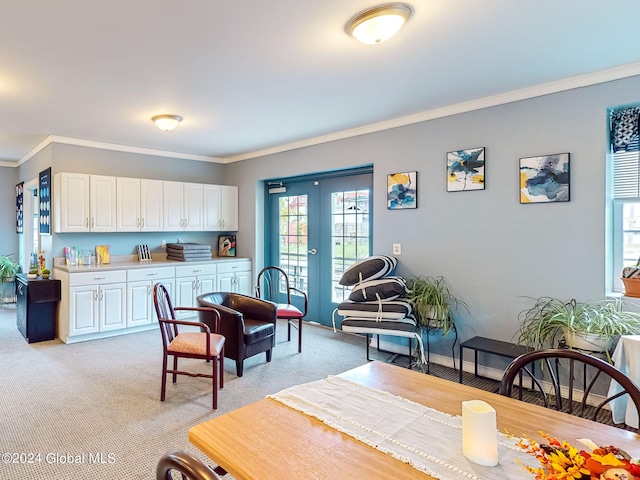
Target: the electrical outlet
(397, 249)
(164, 243)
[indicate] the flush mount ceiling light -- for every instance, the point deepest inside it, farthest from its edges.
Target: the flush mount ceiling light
(166, 122)
(378, 24)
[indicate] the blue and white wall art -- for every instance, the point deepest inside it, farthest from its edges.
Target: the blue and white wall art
(465, 170)
(402, 190)
(544, 179)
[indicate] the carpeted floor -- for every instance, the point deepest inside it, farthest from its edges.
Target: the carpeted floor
(92, 409)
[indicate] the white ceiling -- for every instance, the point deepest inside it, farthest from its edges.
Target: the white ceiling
(252, 77)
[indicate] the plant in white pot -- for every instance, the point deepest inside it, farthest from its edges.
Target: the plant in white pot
(591, 326)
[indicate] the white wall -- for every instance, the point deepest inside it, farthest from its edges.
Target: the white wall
(492, 250)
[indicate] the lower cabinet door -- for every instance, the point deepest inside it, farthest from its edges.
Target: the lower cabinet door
(139, 303)
(83, 310)
(185, 295)
(113, 313)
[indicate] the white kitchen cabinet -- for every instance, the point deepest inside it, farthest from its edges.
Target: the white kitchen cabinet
(151, 205)
(71, 202)
(191, 281)
(84, 203)
(235, 276)
(139, 205)
(183, 206)
(95, 301)
(102, 203)
(128, 204)
(220, 208)
(140, 283)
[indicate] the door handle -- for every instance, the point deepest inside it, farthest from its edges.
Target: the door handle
(313, 251)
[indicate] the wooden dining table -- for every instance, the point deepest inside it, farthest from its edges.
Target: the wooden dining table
(268, 440)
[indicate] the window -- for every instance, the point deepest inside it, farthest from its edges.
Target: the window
(625, 164)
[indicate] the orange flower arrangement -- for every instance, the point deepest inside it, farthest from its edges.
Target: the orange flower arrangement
(562, 461)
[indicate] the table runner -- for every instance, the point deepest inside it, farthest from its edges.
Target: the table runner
(427, 439)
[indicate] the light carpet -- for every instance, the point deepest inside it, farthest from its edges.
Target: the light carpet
(93, 410)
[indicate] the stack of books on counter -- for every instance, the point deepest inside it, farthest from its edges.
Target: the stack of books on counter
(188, 252)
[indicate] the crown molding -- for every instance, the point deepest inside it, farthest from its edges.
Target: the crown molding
(602, 76)
(115, 147)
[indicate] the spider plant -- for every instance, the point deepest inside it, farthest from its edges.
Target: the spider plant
(550, 319)
(432, 302)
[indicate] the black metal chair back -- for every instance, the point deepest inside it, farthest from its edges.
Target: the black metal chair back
(562, 394)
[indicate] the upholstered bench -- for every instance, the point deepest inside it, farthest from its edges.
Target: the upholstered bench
(400, 327)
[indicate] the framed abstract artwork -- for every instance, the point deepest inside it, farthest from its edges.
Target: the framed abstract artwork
(19, 207)
(544, 179)
(402, 190)
(465, 170)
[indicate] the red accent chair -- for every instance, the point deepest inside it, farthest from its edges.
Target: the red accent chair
(273, 285)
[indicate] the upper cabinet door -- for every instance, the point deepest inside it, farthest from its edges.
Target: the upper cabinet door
(151, 206)
(193, 195)
(173, 204)
(71, 202)
(220, 208)
(211, 213)
(229, 208)
(103, 203)
(128, 204)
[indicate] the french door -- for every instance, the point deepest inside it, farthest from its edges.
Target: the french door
(316, 228)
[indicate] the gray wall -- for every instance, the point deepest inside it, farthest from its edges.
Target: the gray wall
(492, 250)
(8, 236)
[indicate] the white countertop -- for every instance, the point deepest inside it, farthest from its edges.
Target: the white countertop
(126, 262)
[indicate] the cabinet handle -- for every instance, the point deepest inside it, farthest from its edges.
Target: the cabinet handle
(138, 222)
(86, 222)
(101, 295)
(93, 222)
(99, 278)
(197, 271)
(142, 223)
(223, 223)
(152, 274)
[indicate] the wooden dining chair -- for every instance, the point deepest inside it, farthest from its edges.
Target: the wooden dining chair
(273, 285)
(555, 386)
(203, 344)
(188, 466)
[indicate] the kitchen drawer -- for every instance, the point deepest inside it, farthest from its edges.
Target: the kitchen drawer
(190, 270)
(97, 277)
(139, 274)
(231, 266)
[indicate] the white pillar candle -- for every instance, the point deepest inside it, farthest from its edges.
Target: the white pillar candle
(479, 433)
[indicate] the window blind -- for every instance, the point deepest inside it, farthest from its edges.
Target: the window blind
(626, 152)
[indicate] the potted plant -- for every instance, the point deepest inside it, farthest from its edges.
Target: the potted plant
(8, 270)
(46, 273)
(583, 325)
(432, 302)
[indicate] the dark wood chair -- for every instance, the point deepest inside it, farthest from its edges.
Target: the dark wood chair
(188, 466)
(548, 389)
(273, 285)
(203, 344)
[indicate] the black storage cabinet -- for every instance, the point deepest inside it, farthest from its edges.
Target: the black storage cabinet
(37, 308)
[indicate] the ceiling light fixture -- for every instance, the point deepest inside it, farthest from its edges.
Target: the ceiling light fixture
(167, 122)
(378, 24)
